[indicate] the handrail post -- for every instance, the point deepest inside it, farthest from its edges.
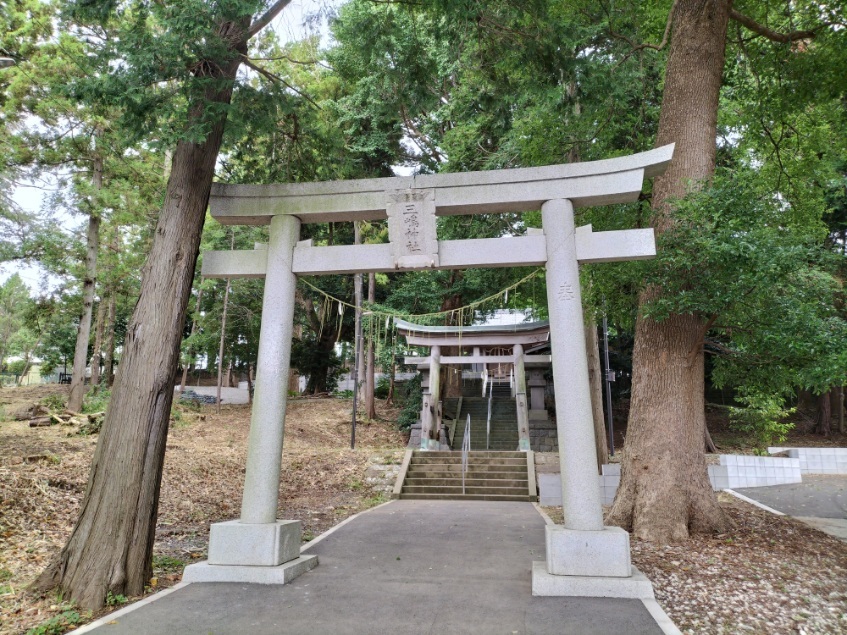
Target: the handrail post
(488, 423)
(466, 446)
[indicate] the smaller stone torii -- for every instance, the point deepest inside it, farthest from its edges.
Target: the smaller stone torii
(583, 556)
(474, 339)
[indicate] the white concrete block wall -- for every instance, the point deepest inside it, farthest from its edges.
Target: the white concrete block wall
(817, 460)
(735, 470)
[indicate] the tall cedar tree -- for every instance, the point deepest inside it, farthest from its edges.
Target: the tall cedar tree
(665, 490)
(111, 546)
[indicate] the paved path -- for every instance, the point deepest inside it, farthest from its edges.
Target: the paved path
(820, 500)
(408, 567)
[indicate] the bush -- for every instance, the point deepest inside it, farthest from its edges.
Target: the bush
(17, 367)
(762, 416)
(383, 385)
(96, 400)
(412, 403)
(54, 402)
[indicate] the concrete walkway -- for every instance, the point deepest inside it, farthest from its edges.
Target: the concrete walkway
(820, 501)
(406, 567)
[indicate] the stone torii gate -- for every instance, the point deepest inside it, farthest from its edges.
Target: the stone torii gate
(583, 556)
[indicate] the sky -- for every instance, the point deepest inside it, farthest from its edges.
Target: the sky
(295, 22)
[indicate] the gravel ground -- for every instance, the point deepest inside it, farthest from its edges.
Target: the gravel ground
(769, 575)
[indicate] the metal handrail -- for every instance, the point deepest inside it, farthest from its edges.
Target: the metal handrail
(466, 447)
(488, 423)
(484, 380)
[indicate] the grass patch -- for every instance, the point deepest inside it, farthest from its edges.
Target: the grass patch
(55, 402)
(58, 624)
(167, 563)
(96, 400)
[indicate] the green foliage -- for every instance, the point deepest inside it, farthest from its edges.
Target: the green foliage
(55, 402)
(412, 398)
(167, 563)
(116, 599)
(762, 417)
(383, 385)
(765, 284)
(378, 498)
(58, 624)
(96, 400)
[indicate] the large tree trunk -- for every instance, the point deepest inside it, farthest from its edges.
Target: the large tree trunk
(824, 417)
(111, 315)
(370, 379)
(665, 489)
(109, 347)
(84, 331)
(595, 382)
(221, 347)
(111, 546)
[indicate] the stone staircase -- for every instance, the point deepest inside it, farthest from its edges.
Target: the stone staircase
(491, 476)
(504, 425)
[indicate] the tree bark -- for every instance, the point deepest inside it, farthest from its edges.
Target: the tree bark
(109, 353)
(595, 381)
(111, 315)
(370, 378)
(84, 331)
(221, 346)
(389, 400)
(824, 418)
(111, 545)
(839, 401)
(97, 354)
(665, 490)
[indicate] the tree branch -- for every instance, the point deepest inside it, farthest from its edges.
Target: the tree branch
(764, 31)
(643, 45)
(276, 78)
(270, 14)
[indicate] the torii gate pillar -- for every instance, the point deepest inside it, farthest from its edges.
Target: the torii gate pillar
(583, 557)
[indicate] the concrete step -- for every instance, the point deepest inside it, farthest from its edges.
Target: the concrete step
(492, 490)
(502, 471)
(476, 455)
(467, 497)
(477, 471)
(504, 462)
(470, 481)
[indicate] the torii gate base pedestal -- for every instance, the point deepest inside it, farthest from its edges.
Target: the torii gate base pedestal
(258, 553)
(588, 564)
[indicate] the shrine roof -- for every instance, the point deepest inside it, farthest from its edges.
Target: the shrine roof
(469, 331)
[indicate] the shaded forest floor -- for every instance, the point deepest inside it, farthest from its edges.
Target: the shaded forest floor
(769, 575)
(729, 440)
(43, 474)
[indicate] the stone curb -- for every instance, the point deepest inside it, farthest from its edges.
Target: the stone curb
(776, 512)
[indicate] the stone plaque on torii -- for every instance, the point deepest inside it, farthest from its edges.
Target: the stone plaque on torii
(583, 556)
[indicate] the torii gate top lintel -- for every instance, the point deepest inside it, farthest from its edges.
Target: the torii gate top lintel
(603, 182)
